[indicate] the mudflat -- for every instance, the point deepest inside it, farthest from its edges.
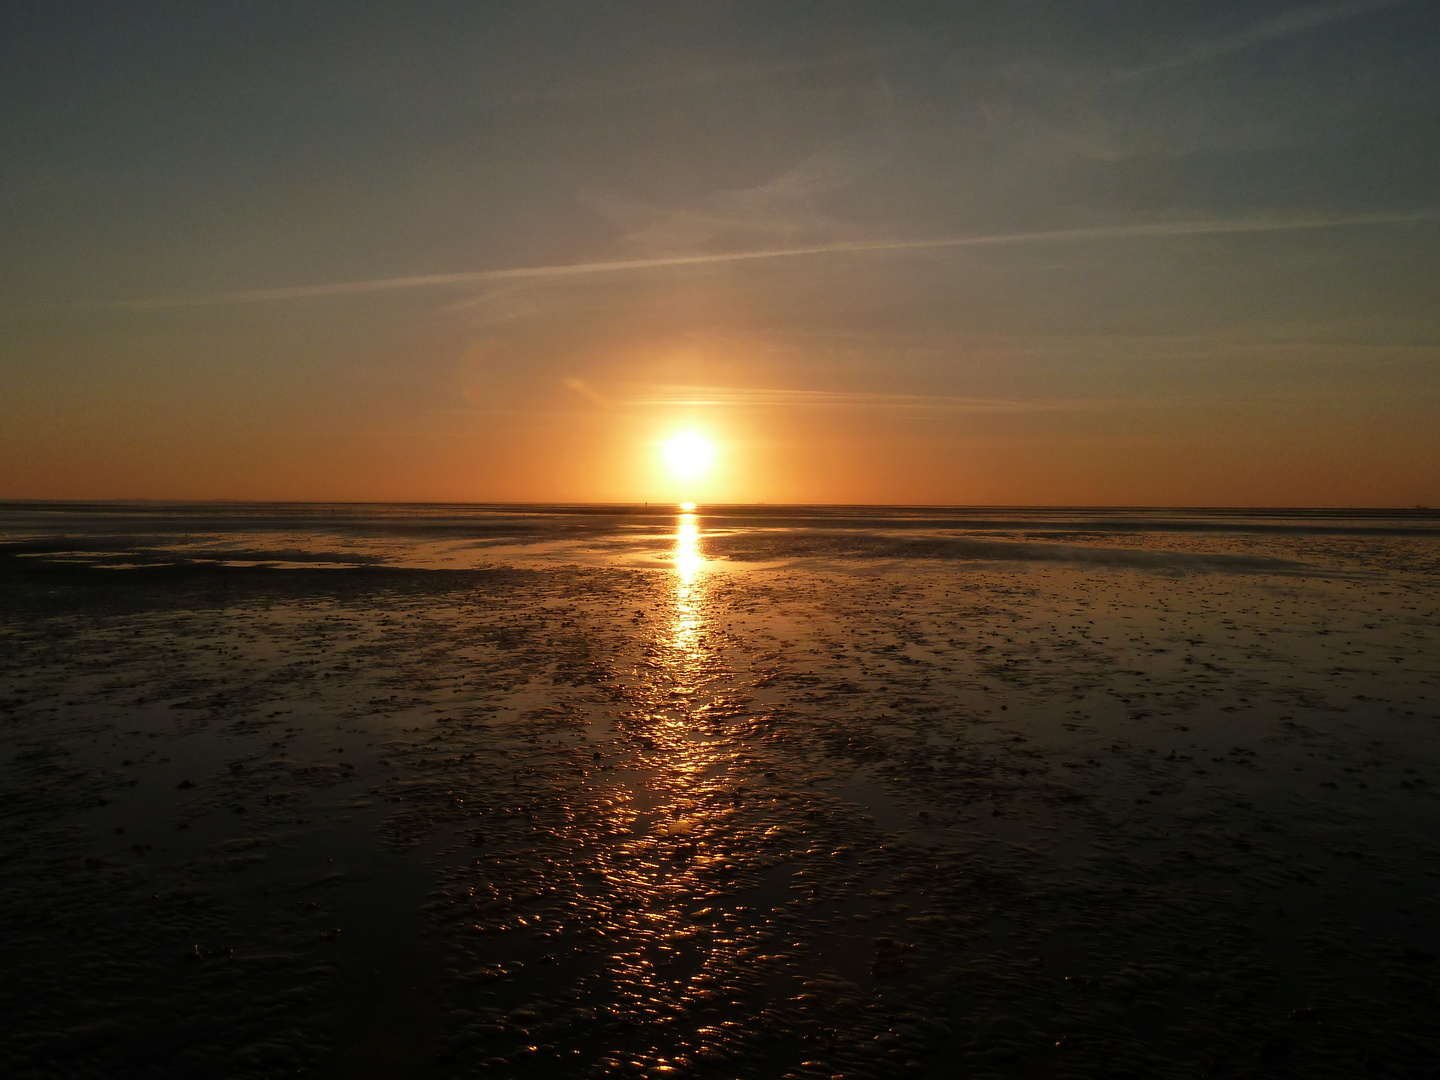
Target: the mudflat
(758, 792)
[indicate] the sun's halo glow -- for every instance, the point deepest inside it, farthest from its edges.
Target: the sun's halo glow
(689, 454)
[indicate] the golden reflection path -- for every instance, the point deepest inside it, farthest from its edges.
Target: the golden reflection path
(628, 870)
(675, 952)
(689, 568)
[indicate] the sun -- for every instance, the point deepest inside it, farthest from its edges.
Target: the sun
(689, 454)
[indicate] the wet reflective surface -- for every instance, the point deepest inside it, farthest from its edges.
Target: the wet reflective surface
(735, 793)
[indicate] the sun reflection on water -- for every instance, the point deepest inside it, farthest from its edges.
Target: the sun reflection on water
(688, 560)
(664, 836)
(689, 565)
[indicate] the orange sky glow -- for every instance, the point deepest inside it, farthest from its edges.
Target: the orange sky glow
(1191, 261)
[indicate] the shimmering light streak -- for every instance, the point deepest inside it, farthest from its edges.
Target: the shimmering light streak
(688, 559)
(689, 562)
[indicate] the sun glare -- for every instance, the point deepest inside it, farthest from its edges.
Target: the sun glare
(689, 454)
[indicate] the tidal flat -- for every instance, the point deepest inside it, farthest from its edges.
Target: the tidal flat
(744, 792)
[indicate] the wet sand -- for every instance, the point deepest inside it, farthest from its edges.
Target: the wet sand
(740, 794)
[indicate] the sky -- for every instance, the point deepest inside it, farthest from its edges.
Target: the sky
(1049, 252)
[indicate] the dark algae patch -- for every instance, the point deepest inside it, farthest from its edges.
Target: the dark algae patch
(813, 794)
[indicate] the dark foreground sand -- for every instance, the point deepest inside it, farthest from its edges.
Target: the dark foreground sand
(1153, 806)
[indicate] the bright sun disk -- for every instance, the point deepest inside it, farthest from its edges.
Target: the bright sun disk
(689, 454)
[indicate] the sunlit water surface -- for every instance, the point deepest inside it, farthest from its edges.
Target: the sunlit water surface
(743, 791)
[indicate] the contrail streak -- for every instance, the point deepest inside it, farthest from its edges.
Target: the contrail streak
(844, 247)
(1287, 25)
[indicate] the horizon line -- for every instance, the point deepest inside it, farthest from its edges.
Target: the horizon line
(12, 500)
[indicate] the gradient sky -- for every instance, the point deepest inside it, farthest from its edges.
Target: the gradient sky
(1056, 252)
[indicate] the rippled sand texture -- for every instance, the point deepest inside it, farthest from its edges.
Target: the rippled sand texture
(919, 813)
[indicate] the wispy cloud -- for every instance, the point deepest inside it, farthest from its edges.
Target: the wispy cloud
(1145, 230)
(735, 397)
(502, 303)
(780, 209)
(1298, 21)
(588, 392)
